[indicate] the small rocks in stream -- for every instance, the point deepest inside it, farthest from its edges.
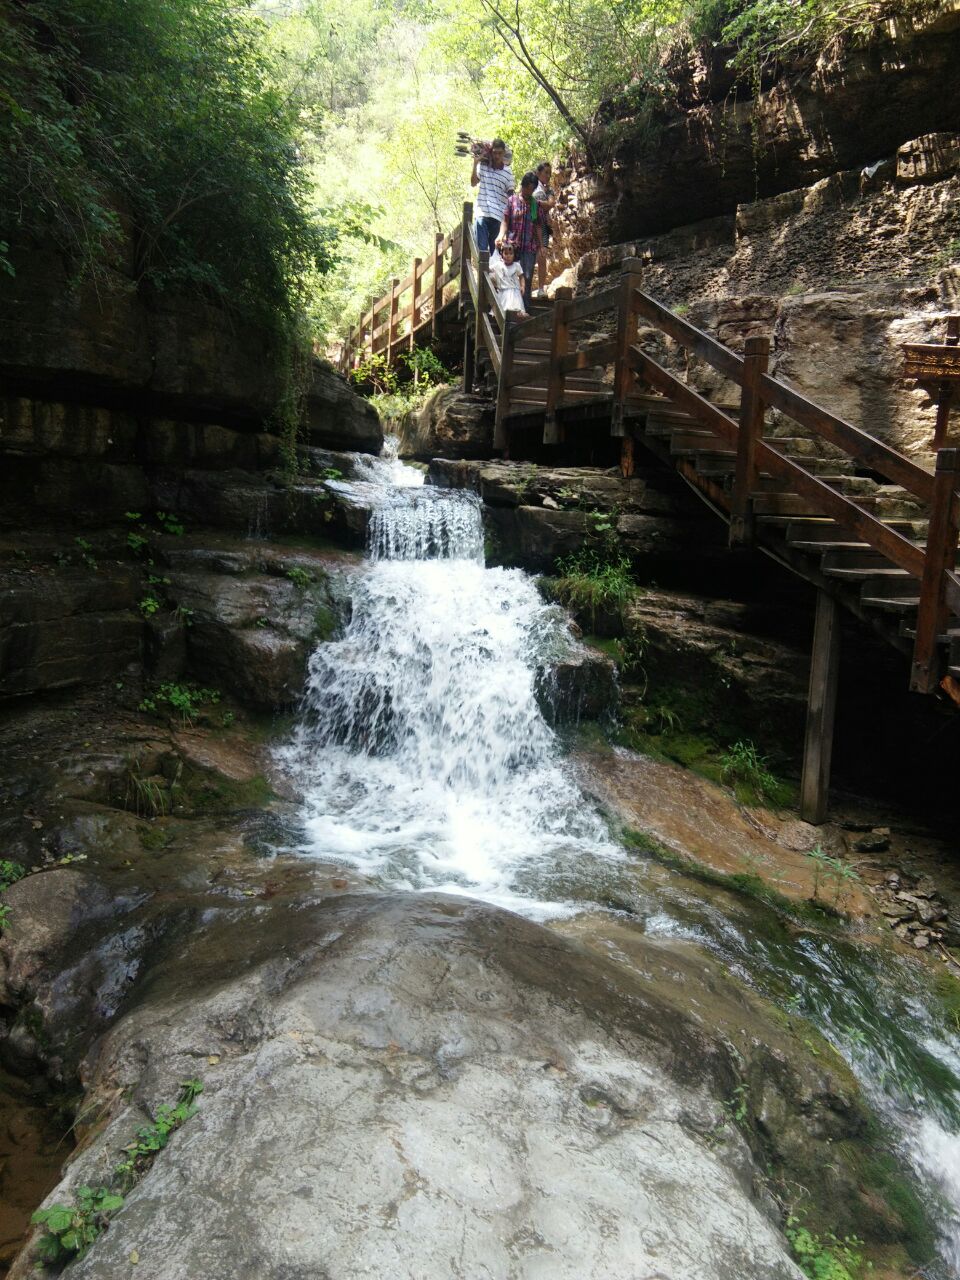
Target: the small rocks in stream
(878, 841)
(911, 907)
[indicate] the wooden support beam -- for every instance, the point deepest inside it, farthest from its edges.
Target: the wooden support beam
(626, 337)
(392, 322)
(415, 304)
(627, 457)
(437, 283)
(469, 357)
(756, 353)
(821, 709)
(466, 249)
(940, 558)
(503, 391)
(559, 345)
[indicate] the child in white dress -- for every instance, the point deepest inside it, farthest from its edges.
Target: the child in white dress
(507, 276)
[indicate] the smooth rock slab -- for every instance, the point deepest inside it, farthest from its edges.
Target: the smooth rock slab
(422, 1087)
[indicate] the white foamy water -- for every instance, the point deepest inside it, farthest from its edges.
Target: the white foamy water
(422, 752)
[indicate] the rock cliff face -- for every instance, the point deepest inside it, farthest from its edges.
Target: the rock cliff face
(114, 407)
(839, 274)
(719, 146)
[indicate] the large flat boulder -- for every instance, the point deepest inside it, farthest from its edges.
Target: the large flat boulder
(420, 1086)
(337, 418)
(450, 424)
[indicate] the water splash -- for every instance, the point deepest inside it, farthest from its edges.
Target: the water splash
(422, 752)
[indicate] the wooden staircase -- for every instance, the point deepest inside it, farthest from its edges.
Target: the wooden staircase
(875, 532)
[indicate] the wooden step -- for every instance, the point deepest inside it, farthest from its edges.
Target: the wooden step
(785, 503)
(890, 604)
(860, 556)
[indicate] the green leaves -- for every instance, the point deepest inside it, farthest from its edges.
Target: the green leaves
(72, 1229)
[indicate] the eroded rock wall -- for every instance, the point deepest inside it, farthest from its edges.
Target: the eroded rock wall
(839, 274)
(718, 145)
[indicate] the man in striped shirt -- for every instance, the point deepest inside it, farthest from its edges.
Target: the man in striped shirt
(495, 181)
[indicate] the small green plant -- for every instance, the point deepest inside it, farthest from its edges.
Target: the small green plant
(183, 699)
(71, 1230)
(525, 484)
(831, 872)
(86, 550)
(169, 523)
(745, 769)
(4, 917)
(10, 873)
(375, 372)
(736, 1106)
(227, 719)
(144, 796)
(153, 1137)
(826, 1257)
(183, 616)
(149, 605)
(331, 473)
(594, 581)
(300, 578)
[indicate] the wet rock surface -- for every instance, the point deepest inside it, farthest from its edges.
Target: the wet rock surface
(535, 515)
(525, 1091)
(450, 424)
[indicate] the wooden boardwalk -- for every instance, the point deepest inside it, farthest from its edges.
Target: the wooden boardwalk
(871, 529)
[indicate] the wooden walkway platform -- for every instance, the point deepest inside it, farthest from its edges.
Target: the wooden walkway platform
(872, 530)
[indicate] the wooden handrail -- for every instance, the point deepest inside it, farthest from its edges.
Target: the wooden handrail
(500, 334)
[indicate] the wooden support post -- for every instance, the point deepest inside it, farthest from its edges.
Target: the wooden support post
(756, 353)
(437, 284)
(946, 390)
(559, 345)
(466, 244)
(415, 304)
(469, 357)
(394, 309)
(941, 555)
(503, 391)
(626, 337)
(483, 303)
(626, 457)
(821, 708)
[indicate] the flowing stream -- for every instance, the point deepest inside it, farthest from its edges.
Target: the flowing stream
(425, 762)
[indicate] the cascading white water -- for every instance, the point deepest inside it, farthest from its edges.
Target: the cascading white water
(423, 755)
(425, 763)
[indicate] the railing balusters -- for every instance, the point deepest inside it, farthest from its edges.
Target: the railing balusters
(941, 556)
(756, 353)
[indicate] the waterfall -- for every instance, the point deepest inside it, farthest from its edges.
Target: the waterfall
(425, 763)
(422, 752)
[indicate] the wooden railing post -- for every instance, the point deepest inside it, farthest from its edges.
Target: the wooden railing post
(821, 709)
(626, 337)
(559, 345)
(756, 354)
(945, 391)
(940, 556)
(415, 303)
(437, 283)
(392, 324)
(465, 240)
(503, 391)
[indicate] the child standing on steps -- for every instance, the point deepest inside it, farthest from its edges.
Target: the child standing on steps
(507, 275)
